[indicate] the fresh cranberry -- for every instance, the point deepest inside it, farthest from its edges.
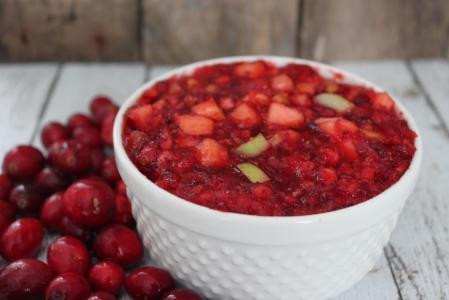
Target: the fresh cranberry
(107, 276)
(5, 186)
(68, 227)
(68, 254)
(182, 294)
(24, 279)
(6, 215)
(68, 286)
(148, 283)
(51, 211)
(21, 239)
(120, 187)
(78, 120)
(118, 243)
(23, 162)
(50, 181)
(123, 212)
(53, 132)
(97, 158)
(26, 198)
(89, 202)
(87, 135)
(107, 127)
(101, 296)
(71, 157)
(100, 107)
(109, 170)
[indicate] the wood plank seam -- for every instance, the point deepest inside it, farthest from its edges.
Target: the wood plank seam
(43, 109)
(390, 266)
(427, 97)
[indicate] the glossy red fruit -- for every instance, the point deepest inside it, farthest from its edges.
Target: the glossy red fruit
(123, 212)
(109, 170)
(107, 276)
(101, 296)
(71, 157)
(51, 211)
(49, 181)
(148, 283)
(68, 254)
(24, 279)
(26, 198)
(182, 294)
(6, 215)
(53, 132)
(5, 186)
(21, 239)
(120, 187)
(23, 162)
(79, 120)
(118, 243)
(107, 127)
(97, 158)
(100, 107)
(68, 227)
(87, 135)
(68, 286)
(89, 202)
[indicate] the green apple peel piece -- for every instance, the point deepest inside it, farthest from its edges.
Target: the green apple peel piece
(253, 172)
(334, 101)
(253, 147)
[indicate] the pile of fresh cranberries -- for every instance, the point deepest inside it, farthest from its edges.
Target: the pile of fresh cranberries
(77, 193)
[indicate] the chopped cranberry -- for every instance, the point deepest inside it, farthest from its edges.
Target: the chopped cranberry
(21, 239)
(68, 227)
(68, 254)
(182, 294)
(71, 157)
(5, 186)
(78, 120)
(7, 214)
(25, 279)
(26, 198)
(107, 276)
(148, 283)
(89, 202)
(68, 286)
(51, 211)
(109, 170)
(23, 162)
(50, 181)
(53, 132)
(87, 135)
(101, 296)
(123, 211)
(100, 107)
(118, 243)
(107, 127)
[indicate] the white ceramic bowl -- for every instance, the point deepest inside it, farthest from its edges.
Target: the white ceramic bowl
(233, 256)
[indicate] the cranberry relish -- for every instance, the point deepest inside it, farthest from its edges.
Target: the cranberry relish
(253, 138)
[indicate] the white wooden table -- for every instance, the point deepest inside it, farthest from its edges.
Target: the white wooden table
(415, 264)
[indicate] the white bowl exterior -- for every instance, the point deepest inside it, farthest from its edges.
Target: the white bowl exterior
(232, 256)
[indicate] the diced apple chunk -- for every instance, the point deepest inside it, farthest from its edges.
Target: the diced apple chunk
(306, 87)
(209, 109)
(195, 125)
(253, 147)
(383, 101)
(245, 116)
(372, 134)
(250, 70)
(282, 83)
(336, 126)
(253, 173)
(141, 116)
(211, 154)
(334, 101)
(282, 115)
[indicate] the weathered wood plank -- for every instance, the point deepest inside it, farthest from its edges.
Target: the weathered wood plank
(23, 91)
(418, 249)
(352, 29)
(179, 31)
(69, 30)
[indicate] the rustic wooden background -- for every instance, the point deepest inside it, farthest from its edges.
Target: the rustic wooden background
(179, 31)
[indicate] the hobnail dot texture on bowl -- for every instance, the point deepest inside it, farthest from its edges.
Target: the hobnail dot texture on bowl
(225, 270)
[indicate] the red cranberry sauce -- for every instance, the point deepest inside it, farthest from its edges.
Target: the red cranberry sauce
(253, 138)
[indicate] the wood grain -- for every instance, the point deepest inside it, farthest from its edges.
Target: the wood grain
(179, 31)
(68, 30)
(418, 252)
(353, 29)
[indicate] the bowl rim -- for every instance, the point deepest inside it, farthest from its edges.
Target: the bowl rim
(372, 204)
